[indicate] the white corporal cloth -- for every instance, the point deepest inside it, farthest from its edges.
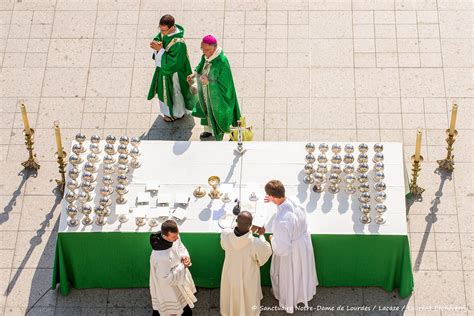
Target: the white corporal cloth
(180, 166)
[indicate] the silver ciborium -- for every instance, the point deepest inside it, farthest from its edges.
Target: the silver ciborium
(322, 158)
(87, 186)
(363, 168)
(310, 158)
(380, 186)
(308, 170)
(71, 211)
(380, 209)
(378, 176)
(310, 147)
(336, 168)
(363, 148)
(123, 159)
(73, 173)
(109, 159)
(336, 158)
(378, 157)
(90, 167)
(364, 187)
(379, 166)
(363, 178)
(378, 148)
(81, 138)
(121, 191)
(364, 197)
(86, 209)
(95, 148)
(122, 149)
(95, 139)
(348, 158)
(380, 197)
(88, 177)
(322, 168)
(122, 179)
(349, 148)
(323, 148)
(135, 153)
(107, 180)
(70, 197)
(100, 215)
(72, 185)
(122, 169)
(84, 197)
(348, 169)
(135, 142)
(363, 158)
(105, 201)
(110, 139)
(334, 180)
(109, 149)
(124, 140)
(318, 186)
(336, 148)
(350, 188)
(75, 160)
(93, 158)
(365, 209)
(78, 149)
(106, 191)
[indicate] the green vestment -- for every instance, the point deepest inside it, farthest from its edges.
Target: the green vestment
(217, 104)
(174, 60)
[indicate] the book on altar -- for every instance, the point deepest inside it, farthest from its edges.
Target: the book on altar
(179, 213)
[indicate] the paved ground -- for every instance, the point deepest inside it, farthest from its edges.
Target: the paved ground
(366, 70)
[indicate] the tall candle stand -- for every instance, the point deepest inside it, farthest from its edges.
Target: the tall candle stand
(32, 162)
(414, 188)
(448, 162)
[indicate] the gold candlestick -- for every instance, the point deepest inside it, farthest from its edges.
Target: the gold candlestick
(61, 158)
(414, 188)
(24, 116)
(448, 162)
(32, 162)
(418, 145)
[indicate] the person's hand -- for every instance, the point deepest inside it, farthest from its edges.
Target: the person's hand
(190, 78)
(186, 261)
(266, 199)
(204, 80)
(261, 231)
(156, 45)
(270, 237)
(254, 229)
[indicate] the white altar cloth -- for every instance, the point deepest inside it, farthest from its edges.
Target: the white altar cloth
(181, 166)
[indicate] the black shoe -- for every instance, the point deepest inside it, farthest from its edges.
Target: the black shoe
(205, 135)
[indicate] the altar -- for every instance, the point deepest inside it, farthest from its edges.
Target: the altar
(348, 252)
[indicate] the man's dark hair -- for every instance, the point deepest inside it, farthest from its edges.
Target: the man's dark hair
(167, 20)
(275, 188)
(169, 226)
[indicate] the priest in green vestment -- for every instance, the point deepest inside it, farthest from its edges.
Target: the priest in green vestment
(171, 72)
(216, 104)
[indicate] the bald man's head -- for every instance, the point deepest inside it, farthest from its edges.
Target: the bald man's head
(244, 222)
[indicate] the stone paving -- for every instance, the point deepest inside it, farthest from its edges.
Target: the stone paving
(340, 70)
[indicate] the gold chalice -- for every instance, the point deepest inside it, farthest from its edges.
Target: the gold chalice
(214, 182)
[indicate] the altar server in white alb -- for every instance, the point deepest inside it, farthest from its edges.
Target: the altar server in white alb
(293, 270)
(171, 285)
(241, 291)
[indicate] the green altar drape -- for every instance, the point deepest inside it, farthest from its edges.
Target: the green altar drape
(121, 260)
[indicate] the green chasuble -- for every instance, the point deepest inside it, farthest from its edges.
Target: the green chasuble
(174, 60)
(217, 104)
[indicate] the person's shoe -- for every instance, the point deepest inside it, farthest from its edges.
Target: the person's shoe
(205, 135)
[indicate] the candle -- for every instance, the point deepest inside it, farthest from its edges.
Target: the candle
(25, 119)
(59, 144)
(418, 145)
(452, 126)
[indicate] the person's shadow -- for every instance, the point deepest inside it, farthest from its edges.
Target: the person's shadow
(180, 129)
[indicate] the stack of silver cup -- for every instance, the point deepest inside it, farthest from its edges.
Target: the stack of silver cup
(135, 153)
(364, 187)
(322, 169)
(122, 170)
(349, 169)
(379, 185)
(310, 159)
(335, 171)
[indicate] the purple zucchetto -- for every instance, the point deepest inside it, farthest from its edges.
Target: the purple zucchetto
(209, 40)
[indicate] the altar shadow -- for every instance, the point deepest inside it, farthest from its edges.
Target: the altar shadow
(232, 168)
(302, 187)
(431, 217)
(41, 280)
(179, 150)
(327, 202)
(25, 174)
(178, 130)
(313, 201)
